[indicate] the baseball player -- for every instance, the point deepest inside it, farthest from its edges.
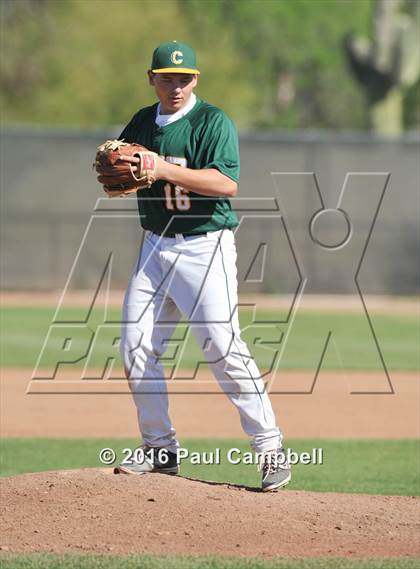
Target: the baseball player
(187, 266)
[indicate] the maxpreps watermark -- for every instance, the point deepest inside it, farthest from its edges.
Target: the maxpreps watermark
(234, 456)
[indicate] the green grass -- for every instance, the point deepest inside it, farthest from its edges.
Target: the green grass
(352, 345)
(359, 466)
(49, 561)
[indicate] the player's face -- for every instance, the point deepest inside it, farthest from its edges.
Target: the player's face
(173, 90)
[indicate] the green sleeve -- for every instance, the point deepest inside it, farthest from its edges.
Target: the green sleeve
(220, 149)
(127, 134)
(134, 127)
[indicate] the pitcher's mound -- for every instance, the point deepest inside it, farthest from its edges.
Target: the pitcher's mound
(95, 511)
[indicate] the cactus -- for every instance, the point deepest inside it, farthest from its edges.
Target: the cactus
(387, 64)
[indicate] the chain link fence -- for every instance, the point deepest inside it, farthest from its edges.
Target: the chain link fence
(54, 230)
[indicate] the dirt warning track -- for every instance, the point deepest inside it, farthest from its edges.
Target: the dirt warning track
(331, 411)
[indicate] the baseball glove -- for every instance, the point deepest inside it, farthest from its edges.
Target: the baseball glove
(120, 177)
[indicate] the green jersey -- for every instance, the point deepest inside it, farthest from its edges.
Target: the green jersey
(203, 138)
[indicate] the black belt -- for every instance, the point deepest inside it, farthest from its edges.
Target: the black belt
(173, 235)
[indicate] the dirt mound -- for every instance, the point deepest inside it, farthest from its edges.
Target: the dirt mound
(95, 511)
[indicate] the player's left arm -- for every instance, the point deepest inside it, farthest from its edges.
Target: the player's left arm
(206, 182)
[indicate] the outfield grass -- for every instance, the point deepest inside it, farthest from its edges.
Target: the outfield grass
(49, 561)
(352, 344)
(359, 466)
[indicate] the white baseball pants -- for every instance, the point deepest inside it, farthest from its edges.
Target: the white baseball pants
(194, 278)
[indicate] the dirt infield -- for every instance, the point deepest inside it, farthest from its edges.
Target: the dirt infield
(94, 511)
(331, 411)
(379, 304)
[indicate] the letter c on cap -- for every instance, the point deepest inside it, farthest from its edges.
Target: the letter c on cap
(177, 57)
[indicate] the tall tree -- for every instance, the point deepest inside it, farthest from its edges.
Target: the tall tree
(291, 53)
(387, 64)
(84, 62)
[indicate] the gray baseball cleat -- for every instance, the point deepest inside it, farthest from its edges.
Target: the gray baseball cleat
(147, 459)
(276, 471)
